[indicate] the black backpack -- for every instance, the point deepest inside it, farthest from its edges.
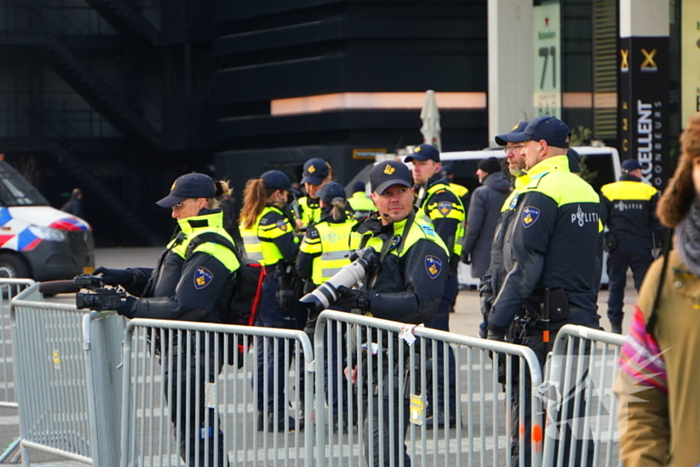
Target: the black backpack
(245, 290)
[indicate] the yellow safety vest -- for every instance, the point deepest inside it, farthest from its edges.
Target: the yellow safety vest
(258, 240)
(206, 223)
(332, 248)
(459, 190)
(359, 201)
(520, 183)
(309, 214)
(438, 210)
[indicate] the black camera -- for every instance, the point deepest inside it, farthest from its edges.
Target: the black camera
(100, 298)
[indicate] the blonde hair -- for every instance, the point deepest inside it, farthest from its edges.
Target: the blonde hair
(221, 193)
(676, 200)
(255, 196)
(338, 210)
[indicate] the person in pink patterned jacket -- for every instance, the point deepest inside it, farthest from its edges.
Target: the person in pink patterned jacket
(658, 386)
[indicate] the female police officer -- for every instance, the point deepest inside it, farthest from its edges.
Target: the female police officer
(317, 173)
(190, 284)
(268, 235)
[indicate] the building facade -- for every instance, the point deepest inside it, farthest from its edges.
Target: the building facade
(119, 97)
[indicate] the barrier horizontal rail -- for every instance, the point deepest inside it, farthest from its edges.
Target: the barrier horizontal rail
(581, 406)
(68, 379)
(394, 362)
(184, 402)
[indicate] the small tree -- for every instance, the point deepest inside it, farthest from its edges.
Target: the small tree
(586, 174)
(580, 136)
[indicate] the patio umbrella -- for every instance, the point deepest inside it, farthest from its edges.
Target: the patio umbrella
(431, 121)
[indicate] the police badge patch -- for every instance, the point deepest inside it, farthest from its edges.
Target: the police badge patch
(202, 278)
(444, 207)
(433, 265)
(530, 216)
(282, 225)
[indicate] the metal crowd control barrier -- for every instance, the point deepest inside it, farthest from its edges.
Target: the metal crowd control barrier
(68, 379)
(197, 393)
(581, 406)
(394, 366)
(9, 288)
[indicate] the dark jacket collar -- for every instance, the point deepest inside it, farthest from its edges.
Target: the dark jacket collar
(629, 178)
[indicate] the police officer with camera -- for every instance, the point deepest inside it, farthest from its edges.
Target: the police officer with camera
(550, 252)
(189, 284)
(406, 286)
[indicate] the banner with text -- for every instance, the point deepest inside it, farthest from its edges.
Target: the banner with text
(644, 105)
(547, 58)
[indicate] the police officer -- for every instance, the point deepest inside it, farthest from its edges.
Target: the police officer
(324, 250)
(550, 249)
(360, 203)
(327, 244)
(189, 286)
(408, 287)
(317, 173)
(268, 234)
(633, 230)
(443, 207)
(491, 283)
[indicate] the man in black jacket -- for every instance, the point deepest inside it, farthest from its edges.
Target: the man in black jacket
(408, 287)
(633, 231)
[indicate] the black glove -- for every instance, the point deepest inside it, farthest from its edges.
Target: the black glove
(126, 307)
(486, 298)
(115, 276)
(352, 299)
(466, 258)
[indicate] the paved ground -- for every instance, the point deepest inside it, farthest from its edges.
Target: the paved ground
(465, 320)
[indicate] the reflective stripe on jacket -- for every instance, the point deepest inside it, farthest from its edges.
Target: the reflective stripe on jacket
(330, 247)
(441, 204)
(259, 239)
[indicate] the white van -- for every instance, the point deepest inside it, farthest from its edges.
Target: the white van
(36, 240)
(603, 162)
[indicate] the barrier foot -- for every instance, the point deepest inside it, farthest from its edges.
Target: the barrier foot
(9, 450)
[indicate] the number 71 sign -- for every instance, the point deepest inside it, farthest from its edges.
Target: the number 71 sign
(547, 54)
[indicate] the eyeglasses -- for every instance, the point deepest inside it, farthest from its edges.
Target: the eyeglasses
(180, 205)
(513, 148)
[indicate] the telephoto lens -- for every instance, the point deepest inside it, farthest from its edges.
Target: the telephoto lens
(327, 293)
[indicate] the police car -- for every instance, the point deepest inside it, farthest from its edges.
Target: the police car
(36, 240)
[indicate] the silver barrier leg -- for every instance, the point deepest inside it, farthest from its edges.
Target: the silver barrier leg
(14, 445)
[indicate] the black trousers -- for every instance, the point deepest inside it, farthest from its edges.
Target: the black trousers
(619, 260)
(531, 336)
(379, 444)
(183, 379)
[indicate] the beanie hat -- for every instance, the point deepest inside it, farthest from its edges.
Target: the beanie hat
(574, 160)
(490, 165)
(676, 200)
(358, 186)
